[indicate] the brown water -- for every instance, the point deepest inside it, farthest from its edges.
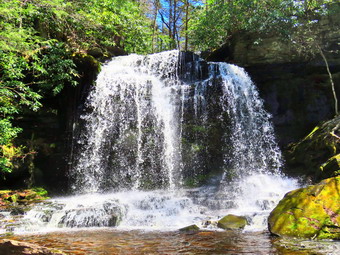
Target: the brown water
(110, 241)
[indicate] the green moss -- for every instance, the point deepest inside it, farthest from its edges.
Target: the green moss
(198, 180)
(311, 212)
(196, 147)
(232, 222)
(40, 191)
(190, 228)
(23, 196)
(13, 198)
(196, 128)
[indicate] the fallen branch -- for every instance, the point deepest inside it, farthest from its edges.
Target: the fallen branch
(333, 134)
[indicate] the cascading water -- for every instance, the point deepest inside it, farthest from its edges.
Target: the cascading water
(168, 140)
(254, 149)
(131, 137)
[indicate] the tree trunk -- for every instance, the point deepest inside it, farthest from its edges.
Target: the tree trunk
(171, 17)
(186, 24)
(174, 25)
(154, 25)
(331, 81)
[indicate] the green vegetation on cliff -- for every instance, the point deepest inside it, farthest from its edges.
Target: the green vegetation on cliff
(293, 23)
(219, 21)
(317, 155)
(38, 41)
(21, 197)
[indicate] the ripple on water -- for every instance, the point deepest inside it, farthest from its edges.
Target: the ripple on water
(111, 241)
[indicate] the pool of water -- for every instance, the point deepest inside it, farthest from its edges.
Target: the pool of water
(111, 241)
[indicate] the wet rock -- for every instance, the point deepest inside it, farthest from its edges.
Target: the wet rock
(12, 247)
(107, 215)
(190, 228)
(210, 223)
(17, 211)
(232, 222)
(311, 212)
(46, 215)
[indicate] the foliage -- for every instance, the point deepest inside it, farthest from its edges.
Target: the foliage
(27, 196)
(293, 21)
(170, 22)
(219, 20)
(38, 39)
(94, 24)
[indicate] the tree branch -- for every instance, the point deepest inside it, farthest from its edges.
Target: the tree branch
(331, 81)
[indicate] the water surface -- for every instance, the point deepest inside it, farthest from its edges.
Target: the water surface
(111, 241)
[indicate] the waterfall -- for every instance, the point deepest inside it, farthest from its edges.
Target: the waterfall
(132, 132)
(254, 149)
(168, 140)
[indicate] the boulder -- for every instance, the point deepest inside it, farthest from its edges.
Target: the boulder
(311, 212)
(107, 215)
(16, 247)
(190, 228)
(232, 222)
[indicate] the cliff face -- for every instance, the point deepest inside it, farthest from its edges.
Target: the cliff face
(298, 95)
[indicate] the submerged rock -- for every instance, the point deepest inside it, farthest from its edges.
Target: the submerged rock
(232, 222)
(15, 247)
(311, 212)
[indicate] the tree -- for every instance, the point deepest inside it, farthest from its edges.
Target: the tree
(38, 39)
(219, 20)
(174, 16)
(306, 37)
(293, 21)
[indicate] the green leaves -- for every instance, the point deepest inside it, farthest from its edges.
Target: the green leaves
(31, 66)
(37, 41)
(55, 69)
(7, 150)
(222, 19)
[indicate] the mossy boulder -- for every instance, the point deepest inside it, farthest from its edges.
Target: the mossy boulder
(232, 222)
(190, 228)
(8, 197)
(317, 155)
(311, 212)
